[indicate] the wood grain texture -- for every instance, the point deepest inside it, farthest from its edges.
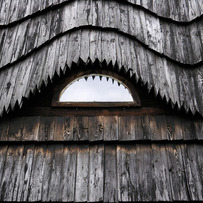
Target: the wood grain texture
(179, 92)
(159, 35)
(143, 43)
(95, 173)
(181, 11)
(101, 128)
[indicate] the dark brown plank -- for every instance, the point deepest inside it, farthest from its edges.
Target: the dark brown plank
(58, 129)
(110, 128)
(46, 128)
(4, 127)
(31, 128)
(174, 127)
(68, 128)
(96, 128)
(126, 128)
(81, 129)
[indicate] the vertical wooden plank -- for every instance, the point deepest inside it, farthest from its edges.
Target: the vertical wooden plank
(55, 187)
(128, 187)
(85, 45)
(96, 173)
(110, 175)
(69, 173)
(15, 176)
(46, 128)
(192, 173)
(126, 128)
(35, 187)
(146, 127)
(96, 128)
(95, 45)
(157, 127)
(68, 128)
(3, 158)
(4, 127)
(81, 189)
(81, 130)
(31, 128)
(174, 127)
(198, 124)
(188, 129)
(161, 175)
(25, 174)
(48, 167)
(15, 129)
(110, 128)
(11, 174)
(177, 173)
(138, 128)
(58, 129)
(145, 173)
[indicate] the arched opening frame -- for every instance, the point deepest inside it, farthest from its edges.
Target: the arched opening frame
(70, 79)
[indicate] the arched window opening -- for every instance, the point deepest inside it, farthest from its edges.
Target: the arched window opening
(96, 90)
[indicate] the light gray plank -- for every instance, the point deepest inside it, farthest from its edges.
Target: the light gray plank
(96, 173)
(82, 174)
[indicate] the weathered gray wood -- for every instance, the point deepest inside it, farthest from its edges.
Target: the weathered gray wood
(110, 178)
(3, 157)
(81, 129)
(68, 128)
(96, 128)
(169, 92)
(69, 173)
(25, 173)
(36, 181)
(110, 128)
(192, 173)
(128, 187)
(55, 187)
(161, 176)
(82, 174)
(126, 128)
(48, 169)
(15, 178)
(177, 173)
(96, 173)
(145, 173)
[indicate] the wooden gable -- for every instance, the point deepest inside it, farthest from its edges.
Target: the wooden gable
(152, 152)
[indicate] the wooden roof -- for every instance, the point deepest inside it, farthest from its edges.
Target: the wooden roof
(159, 43)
